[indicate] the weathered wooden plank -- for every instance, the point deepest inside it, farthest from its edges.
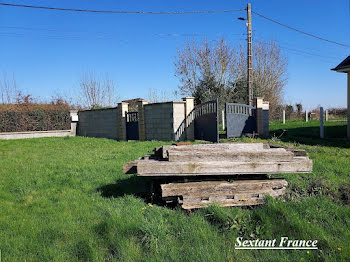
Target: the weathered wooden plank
(217, 188)
(296, 152)
(130, 167)
(215, 147)
(159, 168)
(237, 193)
(277, 154)
(225, 203)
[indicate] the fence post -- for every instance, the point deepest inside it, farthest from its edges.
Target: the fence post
(284, 116)
(306, 116)
(223, 119)
(73, 122)
(189, 118)
(141, 114)
(326, 115)
(321, 123)
(122, 110)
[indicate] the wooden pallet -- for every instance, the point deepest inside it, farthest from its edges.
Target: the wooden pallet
(194, 195)
(210, 165)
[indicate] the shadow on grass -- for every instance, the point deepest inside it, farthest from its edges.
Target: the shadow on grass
(137, 186)
(335, 136)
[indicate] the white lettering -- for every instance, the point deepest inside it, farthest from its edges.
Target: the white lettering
(245, 243)
(283, 240)
(238, 240)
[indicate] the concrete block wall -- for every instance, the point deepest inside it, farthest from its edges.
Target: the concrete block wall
(159, 122)
(99, 123)
(141, 114)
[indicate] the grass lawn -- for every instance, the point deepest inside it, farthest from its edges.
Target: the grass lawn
(66, 199)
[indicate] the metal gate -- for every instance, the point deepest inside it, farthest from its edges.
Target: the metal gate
(240, 119)
(132, 126)
(206, 125)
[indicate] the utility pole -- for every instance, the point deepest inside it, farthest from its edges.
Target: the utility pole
(249, 55)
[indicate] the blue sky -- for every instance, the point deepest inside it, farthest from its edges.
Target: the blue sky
(48, 50)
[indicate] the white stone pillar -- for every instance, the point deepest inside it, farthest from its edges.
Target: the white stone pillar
(122, 110)
(73, 122)
(262, 117)
(189, 118)
(284, 116)
(326, 115)
(306, 116)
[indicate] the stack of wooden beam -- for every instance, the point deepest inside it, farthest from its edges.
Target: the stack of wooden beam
(197, 175)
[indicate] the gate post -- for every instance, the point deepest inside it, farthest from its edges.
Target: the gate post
(141, 112)
(189, 118)
(262, 117)
(73, 122)
(122, 109)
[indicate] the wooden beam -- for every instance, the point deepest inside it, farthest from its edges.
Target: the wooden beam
(165, 168)
(276, 154)
(215, 147)
(237, 193)
(130, 167)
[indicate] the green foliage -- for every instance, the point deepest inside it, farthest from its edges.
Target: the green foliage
(289, 111)
(67, 200)
(299, 107)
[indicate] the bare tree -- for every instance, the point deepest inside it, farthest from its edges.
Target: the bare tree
(270, 72)
(219, 70)
(195, 61)
(96, 92)
(155, 96)
(8, 89)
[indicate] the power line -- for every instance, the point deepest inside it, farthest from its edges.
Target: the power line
(300, 31)
(108, 33)
(303, 48)
(302, 52)
(97, 37)
(122, 12)
(293, 48)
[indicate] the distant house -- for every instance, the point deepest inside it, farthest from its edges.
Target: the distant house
(344, 67)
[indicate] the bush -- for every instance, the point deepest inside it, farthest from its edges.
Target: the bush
(34, 117)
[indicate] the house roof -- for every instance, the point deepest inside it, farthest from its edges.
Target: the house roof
(343, 66)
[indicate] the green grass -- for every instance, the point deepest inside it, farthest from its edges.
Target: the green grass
(66, 199)
(310, 129)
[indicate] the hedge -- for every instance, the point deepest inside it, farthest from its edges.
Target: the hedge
(34, 117)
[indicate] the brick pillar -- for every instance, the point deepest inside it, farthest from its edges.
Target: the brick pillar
(73, 122)
(189, 118)
(122, 109)
(262, 117)
(141, 113)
